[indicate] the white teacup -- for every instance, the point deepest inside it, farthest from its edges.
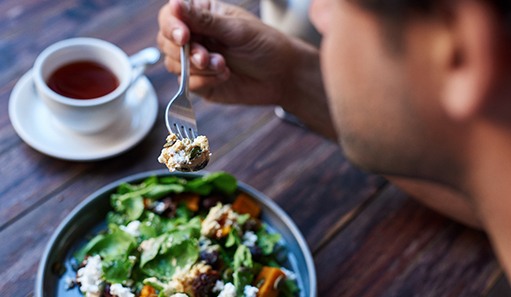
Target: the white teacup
(94, 114)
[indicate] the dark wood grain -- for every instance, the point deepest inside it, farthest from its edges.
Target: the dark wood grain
(397, 247)
(368, 238)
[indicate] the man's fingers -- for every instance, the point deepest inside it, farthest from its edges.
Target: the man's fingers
(202, 19)
(171, 27)
(174, 66)
(205, 85)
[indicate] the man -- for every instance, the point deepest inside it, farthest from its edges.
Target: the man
(419, 91)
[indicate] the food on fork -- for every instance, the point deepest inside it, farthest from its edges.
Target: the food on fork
(185, 154)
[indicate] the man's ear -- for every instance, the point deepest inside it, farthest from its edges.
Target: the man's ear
(472, 62)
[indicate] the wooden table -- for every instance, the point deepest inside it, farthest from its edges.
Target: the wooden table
(367, 238)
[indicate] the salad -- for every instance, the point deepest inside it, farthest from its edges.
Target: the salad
(174, 237)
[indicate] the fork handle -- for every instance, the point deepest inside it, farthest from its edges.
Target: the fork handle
(185, 69)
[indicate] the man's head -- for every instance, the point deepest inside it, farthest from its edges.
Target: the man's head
(408, 80)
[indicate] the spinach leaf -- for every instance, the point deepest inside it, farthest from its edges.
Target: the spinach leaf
(267, 241)
(118, 270)
(233, 238)
(176, 249)
(242, 257)
(172, 180)
(241, 278)
(172, 258)
(220, 181)
(243, 274)
(113, 245)
(289, 288)
(84, 251)
(158, 191)
(131, 206)
(150, 249)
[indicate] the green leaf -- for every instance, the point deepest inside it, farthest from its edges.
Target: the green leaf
(267, 241)
(172, 180)
(220, 181)
(151, 247)
(154, 282)
(126, 188)
(152, 180)
(242, 257)
(233, 238)
(148, 230)
(132, 206)
(224, 182)
(176, 256)
(114, 218)
(242, 219)
(161, 190)
(241, 278)
(86, 250)
(289, 288)
(116, 244)
(153, 225)
(183, 212)
(118, 270)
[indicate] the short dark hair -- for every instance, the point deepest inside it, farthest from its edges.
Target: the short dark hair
(389, 8)
(395, 13)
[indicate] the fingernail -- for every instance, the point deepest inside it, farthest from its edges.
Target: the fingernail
(214, 63)
(196, 59)
(177, 34)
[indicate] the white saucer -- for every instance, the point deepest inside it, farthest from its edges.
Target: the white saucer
(37, 127)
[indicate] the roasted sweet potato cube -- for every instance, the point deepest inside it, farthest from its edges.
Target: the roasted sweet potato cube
(148, 291)
(245, 204)
(268, 281)
(191, 201)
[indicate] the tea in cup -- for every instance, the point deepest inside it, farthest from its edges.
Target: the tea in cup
(83, 82)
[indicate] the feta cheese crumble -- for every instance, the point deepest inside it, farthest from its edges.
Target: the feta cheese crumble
(179, 295)
(229, 290)
(120, 291)
(70, 282)
(133, 228)
(185, 154)
(219, 286)
(90, 277)
(249, 239)
(250, 291)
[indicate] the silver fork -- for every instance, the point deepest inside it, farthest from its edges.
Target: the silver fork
(179, 115)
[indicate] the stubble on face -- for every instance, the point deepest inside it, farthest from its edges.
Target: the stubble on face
(380, 126)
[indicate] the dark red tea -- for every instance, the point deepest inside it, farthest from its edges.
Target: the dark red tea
(83, 80)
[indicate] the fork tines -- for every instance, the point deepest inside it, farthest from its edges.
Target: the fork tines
(183, 131)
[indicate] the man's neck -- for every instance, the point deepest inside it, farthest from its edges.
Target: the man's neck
(489, 185)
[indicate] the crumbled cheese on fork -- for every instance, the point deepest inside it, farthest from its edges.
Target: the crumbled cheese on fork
(185, 154)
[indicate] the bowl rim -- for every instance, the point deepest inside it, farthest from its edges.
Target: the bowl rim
(58, 232)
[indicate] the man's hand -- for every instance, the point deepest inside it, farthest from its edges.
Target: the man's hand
(235, 58)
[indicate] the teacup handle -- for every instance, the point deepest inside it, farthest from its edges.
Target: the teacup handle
(140, 60)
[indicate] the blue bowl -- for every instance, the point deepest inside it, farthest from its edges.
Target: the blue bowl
(89, 217)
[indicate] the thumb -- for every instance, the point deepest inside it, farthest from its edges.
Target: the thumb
(221, 23)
